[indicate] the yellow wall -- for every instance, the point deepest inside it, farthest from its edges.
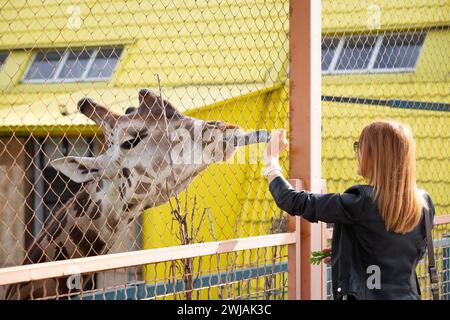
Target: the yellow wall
(233, 189)
(342, 124)
(429, 82)
(350, 16)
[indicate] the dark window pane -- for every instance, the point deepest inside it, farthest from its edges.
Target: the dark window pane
(329, 46)
(355, 54)
(399, 51)
(3, 56)
(104, 63)
(44, 65)
(75, 64)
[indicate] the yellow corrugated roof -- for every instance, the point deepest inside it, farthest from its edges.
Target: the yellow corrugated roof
(205, 51)
(373, 15)
(196, 42)
(48, 112)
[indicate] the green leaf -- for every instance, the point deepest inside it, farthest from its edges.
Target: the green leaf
(317, 256)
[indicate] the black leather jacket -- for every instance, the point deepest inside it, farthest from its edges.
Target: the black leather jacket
(360, 240)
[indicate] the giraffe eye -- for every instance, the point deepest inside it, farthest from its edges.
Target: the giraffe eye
(212, 124)
(127, 145)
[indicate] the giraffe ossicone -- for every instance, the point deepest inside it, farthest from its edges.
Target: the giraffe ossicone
(153, 153)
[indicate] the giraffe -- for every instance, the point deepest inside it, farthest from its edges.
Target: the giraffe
(153, 153)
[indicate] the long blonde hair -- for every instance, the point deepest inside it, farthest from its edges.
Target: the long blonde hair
(387, 159)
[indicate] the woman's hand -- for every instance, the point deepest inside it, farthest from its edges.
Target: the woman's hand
(278, 143)
(327, 252)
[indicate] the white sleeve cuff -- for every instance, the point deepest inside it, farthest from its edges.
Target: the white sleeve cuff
(272, 169)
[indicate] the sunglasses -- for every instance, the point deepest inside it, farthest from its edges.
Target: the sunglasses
(355, 146)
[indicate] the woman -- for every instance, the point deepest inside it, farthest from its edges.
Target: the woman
(379, 228)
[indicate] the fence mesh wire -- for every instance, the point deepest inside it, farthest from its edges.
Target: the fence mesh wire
(97, 178)
(224, 65)
(388, 60)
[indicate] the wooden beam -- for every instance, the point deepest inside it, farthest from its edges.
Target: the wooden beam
(442, 219)
(294, 257)
(128, 259)
(305, 125)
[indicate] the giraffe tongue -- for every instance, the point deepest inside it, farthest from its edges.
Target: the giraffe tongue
(252, 138)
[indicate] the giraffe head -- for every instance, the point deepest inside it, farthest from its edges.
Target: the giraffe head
(154, 149)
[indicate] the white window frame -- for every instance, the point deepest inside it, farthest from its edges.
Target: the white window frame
(55, 78)
(63, 62)
(373, 56)
(352, 71)
(58, 67)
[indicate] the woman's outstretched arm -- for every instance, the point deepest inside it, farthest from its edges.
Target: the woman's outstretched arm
(333, 207)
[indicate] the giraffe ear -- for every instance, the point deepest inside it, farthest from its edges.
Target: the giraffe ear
(103, 117)
(152, 105)
(78, 169)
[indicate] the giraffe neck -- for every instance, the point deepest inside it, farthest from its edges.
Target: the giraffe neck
(87, 225)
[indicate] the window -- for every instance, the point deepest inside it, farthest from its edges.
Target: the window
(79, 64)
(75, 64)
(399, 51)
(3, 56)
(44, 65)
(391, 52)
(329, 47)
(355, 53)
(104, 63)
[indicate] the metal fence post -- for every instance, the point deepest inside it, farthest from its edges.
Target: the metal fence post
(305, 127)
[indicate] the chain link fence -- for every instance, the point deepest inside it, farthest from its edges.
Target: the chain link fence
(386, 60)
(127, 169)
(130, 169)
(389, 60)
